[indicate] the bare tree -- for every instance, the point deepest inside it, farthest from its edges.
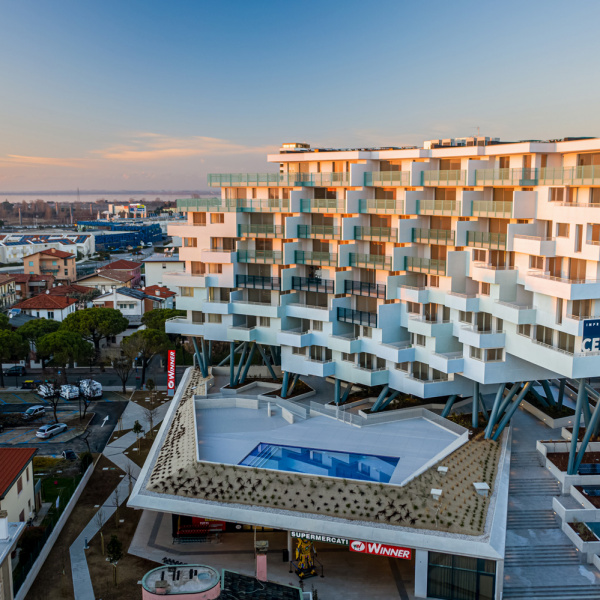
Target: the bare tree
(116, 504)
(99, 522)
(150, 415)
(131, 476)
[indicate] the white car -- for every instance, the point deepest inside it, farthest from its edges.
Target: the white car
(69, 392)
(47, 431)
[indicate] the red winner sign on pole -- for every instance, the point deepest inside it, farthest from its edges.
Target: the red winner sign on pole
(171, 373)
(380, 549)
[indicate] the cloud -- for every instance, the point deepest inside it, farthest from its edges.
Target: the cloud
(16, 159)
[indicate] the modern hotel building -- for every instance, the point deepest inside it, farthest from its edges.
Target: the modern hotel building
(443, 271)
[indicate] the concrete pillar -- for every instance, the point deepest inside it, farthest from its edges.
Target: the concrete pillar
(290, 545)
(421, 567)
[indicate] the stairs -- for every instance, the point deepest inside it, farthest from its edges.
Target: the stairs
(263, 457)
(531, 556)
(524, 459)
(561, 592)
(534, 487)
(531, 519)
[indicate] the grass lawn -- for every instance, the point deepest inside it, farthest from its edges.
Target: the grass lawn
(54, 579)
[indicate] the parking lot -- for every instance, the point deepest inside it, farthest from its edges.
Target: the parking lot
(30, 397)
(26, 434)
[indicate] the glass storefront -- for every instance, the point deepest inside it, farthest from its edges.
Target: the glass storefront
(452, 577)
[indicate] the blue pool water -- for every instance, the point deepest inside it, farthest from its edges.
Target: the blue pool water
(347, 465)
(595, 527)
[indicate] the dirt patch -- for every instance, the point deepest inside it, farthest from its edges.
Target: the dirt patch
(561, 459)
(299, 389)
(54, 580)
(595, 500)
(130, 568)
(117, 434)
(466, 420)
(553, 412)
(594, 438)
(584, 532)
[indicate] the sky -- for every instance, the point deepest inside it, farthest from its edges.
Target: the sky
(122, 95)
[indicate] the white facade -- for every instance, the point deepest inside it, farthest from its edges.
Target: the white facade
(16, 246)
(56, 314)
(158, 265)
(424, 269)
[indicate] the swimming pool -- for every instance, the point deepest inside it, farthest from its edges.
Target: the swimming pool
(365, 467)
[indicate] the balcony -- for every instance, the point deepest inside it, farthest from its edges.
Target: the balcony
(325, 179)
(362, 288)
(502, 210)
(184, 326)
(381, 206)
(535, 245)
(371, 261)
(186, 279)
(438, 207)
(376, 234)
(307, 284)
(513, 177)
(271, 257)
(562, 287)
(258, 282)
(322, 205)
(260, 231)
(198, 205)
(442, 178)
(357, 317)
(344, 343)
(484, 239)
(328, 232)
(256, 309)
(440, 237)
(254, 179)
(231, 205)
(387, 178)
(326, 259)
(432, 266)
(518, 314)
(472, 335)
(242, 333)
(588, 175)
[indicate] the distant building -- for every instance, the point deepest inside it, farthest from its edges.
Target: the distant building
(107, 280)
(14, 247)
(28, 286)
(111, 234)
(129, 267)
(157, 265)
(17, 495)
(61, 265)
(127, 211)
(132, 303)
(46, 306)
(8, 293)
(162, 292)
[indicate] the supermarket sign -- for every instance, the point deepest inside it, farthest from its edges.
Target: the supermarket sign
(315, 537)
(591, 335)
(380, 549)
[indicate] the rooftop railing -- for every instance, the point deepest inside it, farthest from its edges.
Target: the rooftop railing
(232, 205)
(277, 179)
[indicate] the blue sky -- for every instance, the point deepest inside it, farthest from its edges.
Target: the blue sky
(153, 95)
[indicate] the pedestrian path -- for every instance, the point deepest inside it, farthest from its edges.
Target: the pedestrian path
(82, 583)
(541, 563)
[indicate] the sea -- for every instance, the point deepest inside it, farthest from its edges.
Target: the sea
(119, 197)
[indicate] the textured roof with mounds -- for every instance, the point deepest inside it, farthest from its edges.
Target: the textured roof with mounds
(57, 253)
(111, 274)
(159, 291)
(65, 290)
(121, 265)
(12, 463)
(5, 278)
(45, 301)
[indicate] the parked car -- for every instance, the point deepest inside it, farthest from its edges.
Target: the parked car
(69, 392)
(31, 384)
(47, 431)
(90, 388)
(14, 371)
(69, 454)
(34, 412)
(46, 390)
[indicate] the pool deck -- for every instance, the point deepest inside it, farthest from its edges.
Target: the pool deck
(228, 435)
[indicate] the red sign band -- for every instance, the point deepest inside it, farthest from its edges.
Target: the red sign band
(380, 549)
(171, 370)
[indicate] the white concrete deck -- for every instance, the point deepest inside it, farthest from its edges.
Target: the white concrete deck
(227, 435)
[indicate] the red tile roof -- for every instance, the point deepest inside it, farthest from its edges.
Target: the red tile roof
(65, 290)
(4, 278)
(157, 290)
(57, 253)
(46, 301)
(111, 274)
(121, 265)
(12, 463)
(26, 277)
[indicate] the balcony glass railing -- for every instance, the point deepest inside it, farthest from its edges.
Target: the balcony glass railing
(198, 204)
(277, 179)
(329, 232)
(260, 230)
(258, 282)
(438, 207)
(379, 234)
(483, 208)
(433, 236)
(328, 259)
(232, 205)
(371, 261)
(484, 239)
(260, 256)
(362, 288)
(506, 177)
(444, 177)
(310, 284)
(432, 266)
(381, 206)
(332, 205)
(588, 175)
(358, 317)
(385, 178)
(326, 179)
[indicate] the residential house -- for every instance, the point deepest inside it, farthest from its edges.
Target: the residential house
(9, 536)
(17, 494)
(157, 265)
(8, 294)
(126, 266)
(61, 265)
(107, 280)
(46, 306)
(132, 303)
(162, 292)
(28, 285)
(81, 293)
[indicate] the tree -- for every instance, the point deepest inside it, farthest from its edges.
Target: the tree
(137, 429)
(99, 522)
(32, 331)
(4, 322)
(114, 551)
(12, 347)
(95, 324)
(122, 366)
(155, 319)
(150, 414)
(65, 347)
(145, 344)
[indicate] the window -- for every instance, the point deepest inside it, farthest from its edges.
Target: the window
(215, 268)
(190, 242)
(22, 516)
(367, 332)
(187, 292)
(31, 263)
(434, 281)
(543, 335)
(465, 317)
(536, 262)
(317, 325)
(27, 473)
(566, 342)
(53, 263)
(300, 351)
(524, 330)
(403, 366)
(494, 355)
(559, 310)
(51, 314)
(485, 289)
(214, 318)
(264, 321)
(217, 218)
(199, 218)
(562, 230)
(479, 256)
(348, 357)
(557, 194)
(581, 309)
(418, 339)
(20, 485)
(476, 353)
(413, 308)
